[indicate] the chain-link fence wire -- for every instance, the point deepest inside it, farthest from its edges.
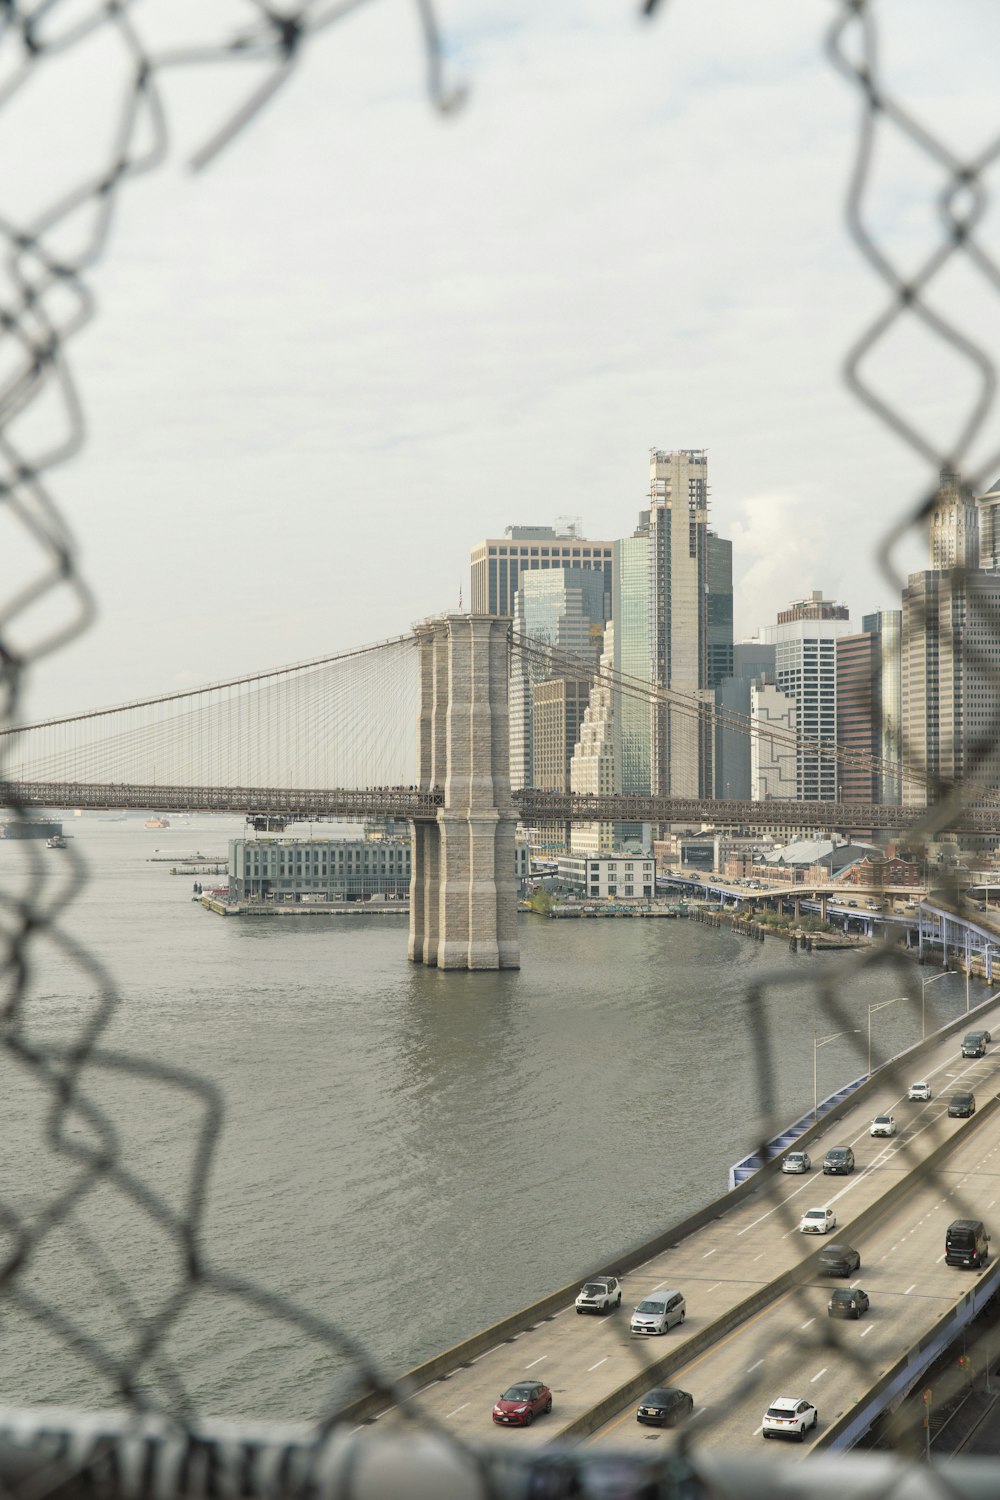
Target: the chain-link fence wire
(47, 300)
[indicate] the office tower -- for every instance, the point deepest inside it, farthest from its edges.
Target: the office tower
(950, 650)
(886, 628)
(719, 609)
(592, 768)
(632, 613)
(562, 608)
(988, 507)
(499, 564)
(857, 731)
(558, 707)
(752, 661)
(804, 639)
(773, 758)
(952, 526)
(681, 756)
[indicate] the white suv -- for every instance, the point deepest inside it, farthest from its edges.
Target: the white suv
(921, 1091)
(883, 1125)
(599, 1295)
(789, 1416)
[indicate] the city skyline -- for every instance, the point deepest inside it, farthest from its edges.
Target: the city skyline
(365, 333)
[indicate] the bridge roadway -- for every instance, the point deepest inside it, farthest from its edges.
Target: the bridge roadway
(313, 804)
(785, 1348)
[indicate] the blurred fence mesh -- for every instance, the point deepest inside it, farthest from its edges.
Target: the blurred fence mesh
(46, 300)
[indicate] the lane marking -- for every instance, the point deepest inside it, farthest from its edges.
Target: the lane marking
(707, 1254)
(819, 1375)
(866, 1331)
(536, 1361)
(909, 1289)
(714, 1288)
(755, 1367)
(457, 1410)
(599, 1362)
(809, 1324)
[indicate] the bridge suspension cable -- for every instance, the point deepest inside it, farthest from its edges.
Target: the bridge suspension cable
(339, 720)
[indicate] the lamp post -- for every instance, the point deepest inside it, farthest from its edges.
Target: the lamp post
(879, 1005)
(818, 1042)
(923, 992)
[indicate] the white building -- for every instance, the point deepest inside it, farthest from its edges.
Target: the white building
(772, 742)
(592, 769)
(805, 670)
(622, 876)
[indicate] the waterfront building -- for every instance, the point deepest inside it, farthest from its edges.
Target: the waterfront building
(609, 876)
(498, 564)
(318, 869)
(804, 639)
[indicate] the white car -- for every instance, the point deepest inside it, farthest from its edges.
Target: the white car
(818, 1221)
(883, 1125)
(789, 1416)
(602, 1294)
(920, 1091)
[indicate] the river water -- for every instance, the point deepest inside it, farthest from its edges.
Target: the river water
(408, 1154)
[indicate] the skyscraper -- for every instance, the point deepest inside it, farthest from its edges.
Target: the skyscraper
(805, 639)
(499, 564)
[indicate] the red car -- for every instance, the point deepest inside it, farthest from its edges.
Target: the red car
(520, 1404)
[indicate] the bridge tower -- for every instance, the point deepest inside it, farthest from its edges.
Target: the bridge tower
(463, 896)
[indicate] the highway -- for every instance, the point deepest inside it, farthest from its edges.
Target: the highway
(790, 1347)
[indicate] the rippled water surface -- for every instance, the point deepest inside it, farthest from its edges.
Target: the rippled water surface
(409, 1154)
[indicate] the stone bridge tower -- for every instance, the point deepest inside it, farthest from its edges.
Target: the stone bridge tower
(463, 894)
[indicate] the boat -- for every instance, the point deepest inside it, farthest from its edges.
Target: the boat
(157, 823)
(55, 842)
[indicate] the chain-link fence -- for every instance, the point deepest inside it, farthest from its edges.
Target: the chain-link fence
(163, 1444)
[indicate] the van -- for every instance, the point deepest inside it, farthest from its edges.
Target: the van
(838, 1161)
(658, 1312)
(966, 1243)
(962, 1105)
(974, 1044)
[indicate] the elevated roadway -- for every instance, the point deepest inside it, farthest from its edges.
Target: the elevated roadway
(744, 1323)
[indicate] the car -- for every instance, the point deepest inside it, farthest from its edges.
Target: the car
(966, 1243)
(601, 1294)
(974, 1044)
(962, 1105)
(796, 1161)
(883, 1125)
(987, 1035)
(921, 1091)
(848, 1302)
(658, 1312)
(818, 1221)
(838, 1161)
(520, 1404)
(665, 1406)
(789, 1416)
(838, 1260)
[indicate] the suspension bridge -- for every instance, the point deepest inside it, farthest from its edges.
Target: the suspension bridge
(333, 738)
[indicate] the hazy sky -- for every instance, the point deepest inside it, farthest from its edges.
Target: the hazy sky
(369, 336)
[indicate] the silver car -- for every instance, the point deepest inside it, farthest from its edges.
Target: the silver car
(796, 1161)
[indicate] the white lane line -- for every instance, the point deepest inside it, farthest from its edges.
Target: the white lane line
(909, 1289)
(457, 1410)
(866, 1331)
(939, 1259)
(855, 1283)
(484, 1354)
(759, 1257)
(714, 1288)
(708, 1253)
(599, 1362)
(758, 1430)
(809, 1324)
(536, 1361)
(755, 1367)
(699, 1413)
(819, 1375)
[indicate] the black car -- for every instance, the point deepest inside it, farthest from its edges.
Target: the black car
(664, 1406)
(838, 1161)
(848, 1302)
(838, 1260)
(960, 1106)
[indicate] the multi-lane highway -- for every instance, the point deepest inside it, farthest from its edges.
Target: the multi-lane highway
(790, 1346)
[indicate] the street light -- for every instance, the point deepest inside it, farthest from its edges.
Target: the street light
(818, 1042)
(879, 1005)
(923, 991)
